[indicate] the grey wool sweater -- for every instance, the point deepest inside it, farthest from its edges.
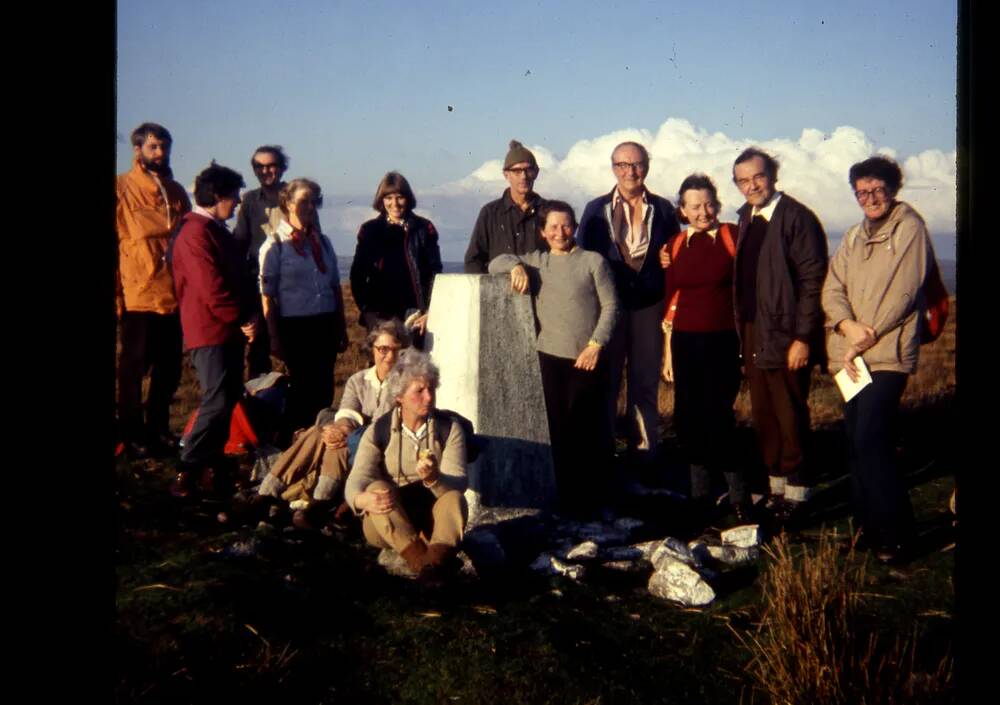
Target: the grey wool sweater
(576, 300)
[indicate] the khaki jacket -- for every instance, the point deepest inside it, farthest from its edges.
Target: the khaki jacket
(877, 279)
(399, 461)
(146, 212)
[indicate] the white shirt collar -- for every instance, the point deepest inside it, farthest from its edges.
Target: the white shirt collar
(416, 437)
(371, 376)
(201, 211)
(768, 210)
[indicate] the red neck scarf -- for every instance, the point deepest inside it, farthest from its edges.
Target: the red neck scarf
(300, 238)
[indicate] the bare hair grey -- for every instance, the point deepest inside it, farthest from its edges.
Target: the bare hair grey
(412, 365)
(393, 327)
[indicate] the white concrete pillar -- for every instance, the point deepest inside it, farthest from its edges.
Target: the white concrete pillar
(483, 339)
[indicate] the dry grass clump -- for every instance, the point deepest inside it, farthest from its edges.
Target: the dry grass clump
(816, 644)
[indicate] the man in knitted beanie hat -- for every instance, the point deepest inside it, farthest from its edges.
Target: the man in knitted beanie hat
(509, 224)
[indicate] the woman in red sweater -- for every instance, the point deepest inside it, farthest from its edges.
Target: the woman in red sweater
(704, 347)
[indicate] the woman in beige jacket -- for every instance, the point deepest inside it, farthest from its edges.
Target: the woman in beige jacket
(873, 302)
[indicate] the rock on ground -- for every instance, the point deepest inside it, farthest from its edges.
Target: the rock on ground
(677, 581)
(745, 536)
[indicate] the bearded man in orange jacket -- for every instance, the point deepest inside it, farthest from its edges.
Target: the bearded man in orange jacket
(149, 203)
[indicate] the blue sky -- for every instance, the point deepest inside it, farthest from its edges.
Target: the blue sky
(354, 89)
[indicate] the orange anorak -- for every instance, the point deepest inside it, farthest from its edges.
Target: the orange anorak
(147, 210)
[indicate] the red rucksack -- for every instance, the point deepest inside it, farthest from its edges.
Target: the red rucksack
(242, 438)
(935, 302)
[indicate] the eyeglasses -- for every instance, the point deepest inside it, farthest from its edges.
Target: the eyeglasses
(865, 196)
(756, 178)
(523, 171)
(625, 166)
(261, 167)
(386, 349)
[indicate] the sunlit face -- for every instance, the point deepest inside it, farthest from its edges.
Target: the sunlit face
(154, 154)
(386, 350)
(874, 197)
(753, 181)
(558, 232)
(521, 177)
(630, 167)
(418, 399)
(303, 205)
(395, 205)
(226, 206)
(700, 208)
(267, 169)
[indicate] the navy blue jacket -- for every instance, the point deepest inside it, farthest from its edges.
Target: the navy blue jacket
(635, 289)
(372, 291)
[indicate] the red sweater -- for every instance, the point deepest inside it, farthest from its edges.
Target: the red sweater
(704, 277)
(207, 268)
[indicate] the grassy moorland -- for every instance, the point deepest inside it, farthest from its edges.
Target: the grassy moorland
(271, 613)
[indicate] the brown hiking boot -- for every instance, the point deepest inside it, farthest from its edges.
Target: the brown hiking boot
(439, 565)
(414, 554)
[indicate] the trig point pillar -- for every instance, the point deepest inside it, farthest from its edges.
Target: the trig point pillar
(483, 339)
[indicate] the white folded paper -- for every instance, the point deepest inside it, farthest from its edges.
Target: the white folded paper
(848, 388)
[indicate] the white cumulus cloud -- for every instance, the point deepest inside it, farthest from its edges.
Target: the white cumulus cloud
(814, 168)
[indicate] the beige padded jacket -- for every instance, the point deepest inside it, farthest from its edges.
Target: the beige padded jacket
(877, 279)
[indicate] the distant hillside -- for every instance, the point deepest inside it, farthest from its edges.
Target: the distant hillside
(947, 270)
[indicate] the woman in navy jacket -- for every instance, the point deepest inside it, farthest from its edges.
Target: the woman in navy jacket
(396, 259)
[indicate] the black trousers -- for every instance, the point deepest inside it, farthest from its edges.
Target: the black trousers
(220, 376)
(706, 382)
(258, 358)
(151, 344)
(880, 496)
(310, 345)
(582, 444)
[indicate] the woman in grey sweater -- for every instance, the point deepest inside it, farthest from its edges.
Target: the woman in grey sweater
(577, 308)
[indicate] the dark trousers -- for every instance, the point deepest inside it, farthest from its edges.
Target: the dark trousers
(310, 345)
(881, 500)
(259, 352)
(151, 344)
(582, 445)
(220, 376)
(706, 382)
(780, 413)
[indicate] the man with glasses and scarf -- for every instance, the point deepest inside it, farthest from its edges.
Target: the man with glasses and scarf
(629, 227)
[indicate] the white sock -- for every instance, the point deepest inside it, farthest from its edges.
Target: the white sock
(777, 484)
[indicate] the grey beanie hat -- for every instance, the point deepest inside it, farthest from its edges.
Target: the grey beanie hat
(518, 153)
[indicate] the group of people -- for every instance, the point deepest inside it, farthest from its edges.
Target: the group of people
(759, 299)
(633, 291)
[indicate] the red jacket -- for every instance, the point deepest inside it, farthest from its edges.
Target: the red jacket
(207, 267)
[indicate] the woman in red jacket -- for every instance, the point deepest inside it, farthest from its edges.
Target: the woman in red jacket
(703, 345)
